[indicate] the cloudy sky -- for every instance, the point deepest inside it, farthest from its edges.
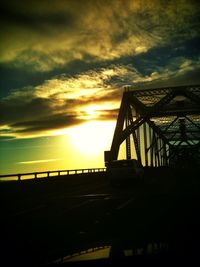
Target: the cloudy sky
(63, 63)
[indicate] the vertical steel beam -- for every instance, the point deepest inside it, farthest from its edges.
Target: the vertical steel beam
(119, 128)
(138, 140)
(128, 143)
(161, 152)
(158, 151)
(135, 139)
(154, 143)
(145, 145)
(151, 146)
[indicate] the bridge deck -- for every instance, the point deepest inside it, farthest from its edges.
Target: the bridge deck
(43, 220)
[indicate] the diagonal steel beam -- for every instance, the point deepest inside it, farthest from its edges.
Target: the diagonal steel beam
(193, 97)
(130, 99)
(146, 113)
(119, 127)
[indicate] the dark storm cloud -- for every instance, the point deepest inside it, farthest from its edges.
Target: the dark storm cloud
(57, 121)
(12, 111)
(42, 17)
(12, 14)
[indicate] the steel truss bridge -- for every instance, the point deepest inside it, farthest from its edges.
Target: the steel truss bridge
(159, 127)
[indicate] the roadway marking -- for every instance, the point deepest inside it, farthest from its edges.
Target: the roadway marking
(124, 204)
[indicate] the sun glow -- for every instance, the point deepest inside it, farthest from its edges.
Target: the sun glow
(92, 138)
(93, 112)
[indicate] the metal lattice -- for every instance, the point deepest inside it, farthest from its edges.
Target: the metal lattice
(160, 126)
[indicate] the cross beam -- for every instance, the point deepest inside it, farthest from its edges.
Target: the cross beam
(163, 122)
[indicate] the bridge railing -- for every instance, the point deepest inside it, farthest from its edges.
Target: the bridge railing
(47, 174)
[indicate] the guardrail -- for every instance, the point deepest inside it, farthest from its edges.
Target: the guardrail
(47, 174)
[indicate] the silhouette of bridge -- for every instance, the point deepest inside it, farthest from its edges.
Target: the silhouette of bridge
(160, 127)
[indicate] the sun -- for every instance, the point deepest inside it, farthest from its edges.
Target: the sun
(92, 138)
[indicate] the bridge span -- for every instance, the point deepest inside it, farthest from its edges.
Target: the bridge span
(159, 127)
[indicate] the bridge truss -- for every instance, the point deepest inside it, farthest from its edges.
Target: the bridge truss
(159, 127)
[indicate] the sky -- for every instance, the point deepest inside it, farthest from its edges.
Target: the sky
(63, 66)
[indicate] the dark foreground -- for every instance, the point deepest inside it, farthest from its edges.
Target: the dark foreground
(156, 220)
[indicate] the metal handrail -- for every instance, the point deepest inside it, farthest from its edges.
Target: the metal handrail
(35, 175)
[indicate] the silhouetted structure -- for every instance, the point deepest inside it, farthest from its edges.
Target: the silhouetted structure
(160, 127)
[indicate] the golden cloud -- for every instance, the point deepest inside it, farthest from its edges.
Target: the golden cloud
(48, 34)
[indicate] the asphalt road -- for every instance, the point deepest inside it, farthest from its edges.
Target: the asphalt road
(44, 220)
